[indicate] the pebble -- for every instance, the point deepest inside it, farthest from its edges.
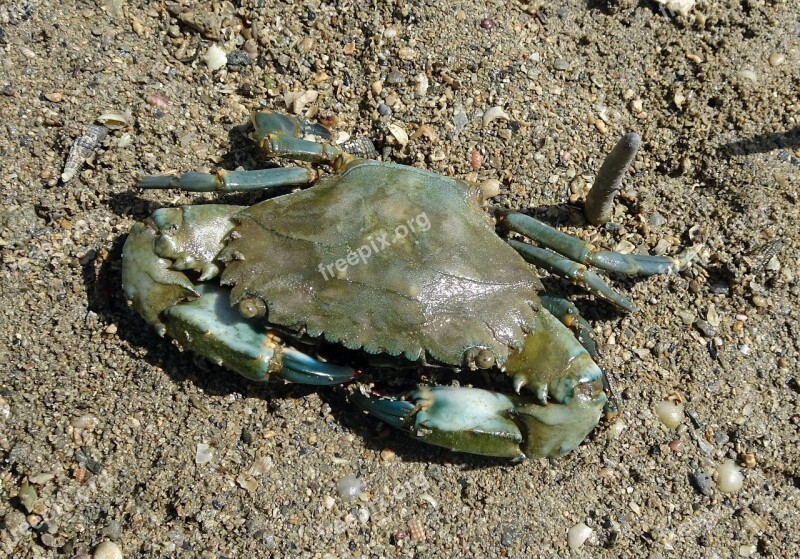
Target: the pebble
(107, 550)
(204, 454)
(776, 59)
(388, 455)
(703, 482)
(577, 535)
(748, 74)
(729, 477)
(215, 58)
(349, 488)
(747, 550)
(395, 77)
(705, 328)
(561, 64)
(384, 110)
(460, 120)
(671, 415)
(239, 58)
(27, 497)
(487, 23)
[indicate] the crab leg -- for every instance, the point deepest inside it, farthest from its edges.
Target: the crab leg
(557, 264)
(584, 253)
(231, 181)
(568, 315)
(280, 135)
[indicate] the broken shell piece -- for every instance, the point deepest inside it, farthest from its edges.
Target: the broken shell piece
(82, 149)
(682, 7)
(297, 101)
(494, 113)
(114, 121)
(425, 131)
(398, 133)
(215, 58)
(300, 103)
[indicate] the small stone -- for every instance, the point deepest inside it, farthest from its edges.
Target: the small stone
(107, 550)
(703, 482)
(747, 550)
(215, 58)
(729, 477)
(776, 59)
(671, 415)
(384, 110)
(55, 97)
(388, 455)
(487, 23)
(349, 488)
(395, 77)
(204, 454)
(560, 64)
(508, 537)
(239, 58)
(705, 328)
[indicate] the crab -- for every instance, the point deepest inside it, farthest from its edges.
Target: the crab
(381, 268)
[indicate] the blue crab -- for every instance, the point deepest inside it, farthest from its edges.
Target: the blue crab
(380, 267)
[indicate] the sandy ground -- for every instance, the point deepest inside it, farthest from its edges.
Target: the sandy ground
(100, 419)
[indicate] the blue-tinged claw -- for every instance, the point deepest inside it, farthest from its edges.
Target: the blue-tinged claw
(304, 369)
(210, 327)
(461, 419)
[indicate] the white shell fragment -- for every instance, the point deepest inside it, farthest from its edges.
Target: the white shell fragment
(300, 102)
(671, 415)
(729, 477)
(493, 114)
(577, 535)
(82, 149)
(398, 133)
(114, 121)
(682, 7)
(215, 58)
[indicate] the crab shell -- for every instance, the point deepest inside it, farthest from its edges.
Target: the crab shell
(383, 258)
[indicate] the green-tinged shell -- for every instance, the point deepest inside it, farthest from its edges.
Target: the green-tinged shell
(385, 257)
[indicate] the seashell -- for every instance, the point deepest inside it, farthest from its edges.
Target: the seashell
(494, 113)
(399, 134)
(114, 121)
(360, 147)
(82, 149)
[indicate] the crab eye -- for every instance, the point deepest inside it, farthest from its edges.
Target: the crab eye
(252, 307)
(484, 359)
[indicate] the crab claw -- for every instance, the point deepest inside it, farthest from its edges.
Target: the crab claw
(559, 400)
(461, 419)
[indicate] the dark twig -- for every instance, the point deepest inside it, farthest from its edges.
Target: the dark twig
(600, 200)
